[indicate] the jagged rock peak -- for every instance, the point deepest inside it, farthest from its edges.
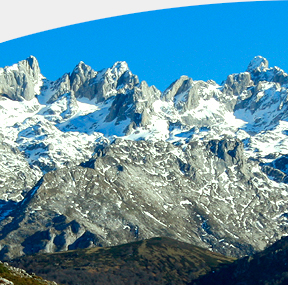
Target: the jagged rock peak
(21, 80)
(110, 81)
(257, 63)
(178, 86)
(30, 65)
(121, 74)
(80, 79)
(32, 61)
(119, 67)
(259, 70)
(83, 69)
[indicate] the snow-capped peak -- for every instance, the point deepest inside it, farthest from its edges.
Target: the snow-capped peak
(83, 68)
(30, 65)
(21, 81)
(33, 62)
(259, 63)
(119, 68)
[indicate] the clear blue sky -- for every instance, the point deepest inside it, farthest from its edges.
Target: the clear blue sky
(203, 42)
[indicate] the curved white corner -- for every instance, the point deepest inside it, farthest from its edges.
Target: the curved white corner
(24, 17)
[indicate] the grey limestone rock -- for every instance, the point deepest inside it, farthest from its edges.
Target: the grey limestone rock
(21, 81)
(198, 195)
(277, 169)
(61, 87)
(84, 82)
(16, 176)
(6, 281)
(237, 83)
(179, 86)
(109, 81)
(258, 63)
(134, 105)
(81, 81)
(184, 93)
(260, 71)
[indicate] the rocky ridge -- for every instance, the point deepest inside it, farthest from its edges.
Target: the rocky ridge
(154, 261)
(99, 158)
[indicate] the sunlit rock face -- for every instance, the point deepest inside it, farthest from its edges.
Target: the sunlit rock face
(99, 158)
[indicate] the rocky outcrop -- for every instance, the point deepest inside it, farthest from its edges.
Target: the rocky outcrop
(21, 81)
(230, 151)
(104, 84)
(81, 81)
(260, 71)
(134, 106)
(277, 169)
(14, 275)
(179, 86)
(257, 64)
(184, 92)
(16, 176)
(236, 84)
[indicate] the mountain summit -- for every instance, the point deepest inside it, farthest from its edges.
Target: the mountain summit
(99, 158)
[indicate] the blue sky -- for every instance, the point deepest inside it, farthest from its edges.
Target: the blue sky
(203, 42)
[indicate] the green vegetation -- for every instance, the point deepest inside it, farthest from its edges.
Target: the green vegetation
(20, 279)
(267, 267)
(153, 261)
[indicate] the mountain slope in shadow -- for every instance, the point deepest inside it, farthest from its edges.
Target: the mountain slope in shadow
(269, 267)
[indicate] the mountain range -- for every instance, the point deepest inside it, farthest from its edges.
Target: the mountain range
(98, 158)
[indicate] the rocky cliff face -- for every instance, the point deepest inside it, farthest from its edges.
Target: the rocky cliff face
(21, 81)
(99, 158)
